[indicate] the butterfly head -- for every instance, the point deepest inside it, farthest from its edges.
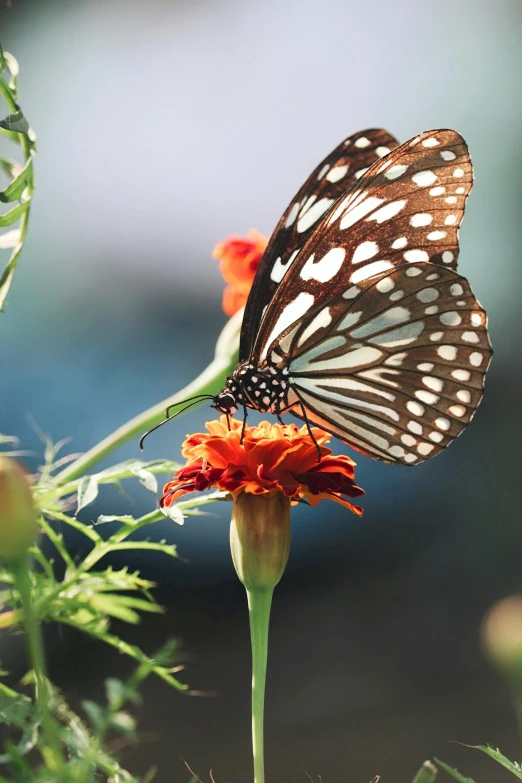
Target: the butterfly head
(225, 402)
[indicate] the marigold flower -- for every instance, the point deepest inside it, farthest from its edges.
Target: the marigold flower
(239, 258)
(271, 458)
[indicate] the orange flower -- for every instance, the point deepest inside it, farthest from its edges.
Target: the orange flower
(271, 458)
(239, 258)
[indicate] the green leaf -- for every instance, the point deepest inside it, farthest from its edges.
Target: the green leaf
(18, 711)
(123, 722)
(10, 440)
(14, 69)
(132, 651)
(2, 61)
(174, 513)
(127, 519)
(14, 190)
(146, 479)
(499, 757)
(10, 167)
(10, 217)
(87, 492)
(15, 123)
(9, 239)
(426, 774)
(454, 772)
(95, 714)
(109, 605)
(116, 691)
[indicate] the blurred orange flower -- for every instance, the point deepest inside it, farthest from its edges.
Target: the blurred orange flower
(239, 258)
(271, 458)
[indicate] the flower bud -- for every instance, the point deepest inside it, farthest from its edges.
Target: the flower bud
(260, 538)
(502, 636)
(18, 527)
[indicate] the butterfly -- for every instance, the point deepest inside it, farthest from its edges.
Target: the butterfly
(357, 320)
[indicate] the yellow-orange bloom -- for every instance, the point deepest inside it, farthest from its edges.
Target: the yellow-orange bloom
(239, 258)
(271, 458)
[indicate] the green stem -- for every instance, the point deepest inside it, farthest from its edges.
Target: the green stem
(209, 382)
(259, 603)
(53, 753)
(27, 146)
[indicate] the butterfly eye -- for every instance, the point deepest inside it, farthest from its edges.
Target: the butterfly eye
(225, 403)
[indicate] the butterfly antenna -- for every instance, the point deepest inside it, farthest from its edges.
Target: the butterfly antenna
(168, 418)
(196, 398)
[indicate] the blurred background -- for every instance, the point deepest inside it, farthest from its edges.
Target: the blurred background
(163, 127)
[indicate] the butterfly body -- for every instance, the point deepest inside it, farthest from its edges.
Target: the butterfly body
(266, 390)
(357, 320)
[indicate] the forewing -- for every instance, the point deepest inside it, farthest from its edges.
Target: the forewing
(332, 177)
(395, 366)
(405, 209)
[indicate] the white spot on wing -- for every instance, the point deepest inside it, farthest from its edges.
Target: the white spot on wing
(396, 171)
(353, 214)
(457, 410)
(279, 270)
(292, 215)
(321, 320)
(375, 268)
(447, 352)
(427, 397)
(416, 255)
(427, 295)
(415, 407)
(435, 384)
(421, 219)
(388, 211)
(313, 214)
(385, 285)
(326, 268)
(350, 319)
(323, 171)
(424, 178)
(294, 310)
(311, 359)
(365, 251)
(404, 335)
(337, 173)
(451, 319)
(399, 243)
(461, 375)
(362, 142)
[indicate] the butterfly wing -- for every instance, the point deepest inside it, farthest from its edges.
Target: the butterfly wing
(385, 344)
(395, 367)
(332, 177)
(406, 208)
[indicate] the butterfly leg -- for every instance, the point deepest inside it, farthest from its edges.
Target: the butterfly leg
(245, 414)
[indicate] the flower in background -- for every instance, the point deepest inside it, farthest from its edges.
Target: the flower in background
(271, 458)
(239, 258)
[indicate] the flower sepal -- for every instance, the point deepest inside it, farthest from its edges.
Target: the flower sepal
(260, 538)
